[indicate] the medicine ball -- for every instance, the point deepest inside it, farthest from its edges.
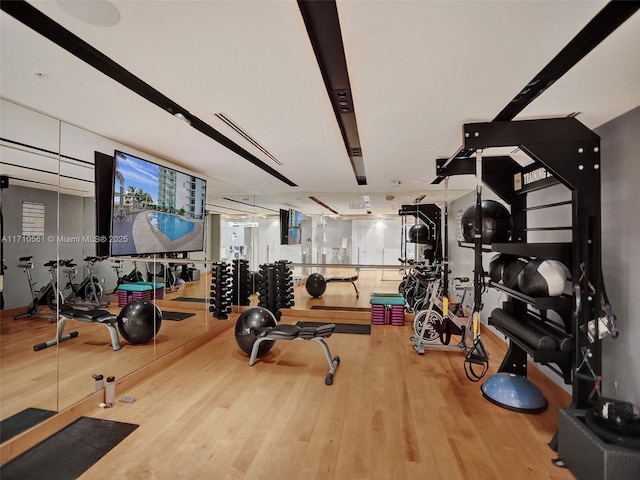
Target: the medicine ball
(315, 285)
(496, 222)
(419, 233)
(497, 266)
(545, 278)
(512, 271)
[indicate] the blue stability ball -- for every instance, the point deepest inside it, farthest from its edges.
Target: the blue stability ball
(513, 392)
(315, 285)
(139, 321)
(247, 322)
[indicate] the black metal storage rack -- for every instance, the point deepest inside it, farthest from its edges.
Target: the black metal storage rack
(563, 151)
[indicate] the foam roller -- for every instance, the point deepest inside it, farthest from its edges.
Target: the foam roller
(563, 341)
(522, 330)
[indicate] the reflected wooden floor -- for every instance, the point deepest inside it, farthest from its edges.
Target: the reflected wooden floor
(59, 376)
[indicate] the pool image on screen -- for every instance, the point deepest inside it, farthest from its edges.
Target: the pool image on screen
(155, 209)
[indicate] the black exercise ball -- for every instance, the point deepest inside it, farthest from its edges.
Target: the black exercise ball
(247, 322)
(545, 278)
(139, 321)
(496, 222)
(315, 285)
(419, 233)
(497, 266)
(512, 271)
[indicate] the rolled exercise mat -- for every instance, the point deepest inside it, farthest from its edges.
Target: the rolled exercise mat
(563, 341)
(522, 330)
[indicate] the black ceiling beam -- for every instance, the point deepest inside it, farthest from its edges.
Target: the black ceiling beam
(53, 31)
(614, 14)
(323, 27)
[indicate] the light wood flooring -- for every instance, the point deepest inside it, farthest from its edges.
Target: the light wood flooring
(390, 414)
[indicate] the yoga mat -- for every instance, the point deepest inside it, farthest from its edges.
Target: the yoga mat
(22, 421)
(176, 316)
(190, 299)
(68, 453)
(358, 328)
(345, 309)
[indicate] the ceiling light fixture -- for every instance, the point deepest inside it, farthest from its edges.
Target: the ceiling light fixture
(182, 118)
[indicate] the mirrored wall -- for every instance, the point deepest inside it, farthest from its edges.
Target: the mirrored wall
(49, 236)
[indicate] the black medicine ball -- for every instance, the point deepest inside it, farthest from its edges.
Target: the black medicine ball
(498, 265)
(545, 278)
(496, 222)
(419, 233)
(511, 272)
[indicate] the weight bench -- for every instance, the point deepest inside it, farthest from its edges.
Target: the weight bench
(294, 332)
(351, 280)
(100, 317)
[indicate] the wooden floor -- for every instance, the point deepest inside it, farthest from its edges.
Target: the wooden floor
(390, 414)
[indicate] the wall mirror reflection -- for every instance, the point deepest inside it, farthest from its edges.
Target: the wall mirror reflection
(68, 276)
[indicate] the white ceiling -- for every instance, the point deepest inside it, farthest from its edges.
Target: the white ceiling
(418, 71)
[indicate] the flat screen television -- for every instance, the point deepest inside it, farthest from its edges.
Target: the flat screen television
(155, 209)
(290, 227)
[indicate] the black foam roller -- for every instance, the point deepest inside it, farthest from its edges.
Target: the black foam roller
(522, 330)
(563, 341)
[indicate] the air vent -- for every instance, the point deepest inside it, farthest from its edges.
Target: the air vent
(320, 202)
(238, 129)
(355, 152)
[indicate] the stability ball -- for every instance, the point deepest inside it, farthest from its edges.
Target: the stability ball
(139, 321)
(247, 322)
(496, 222)
(545, 278)
(315, 285)
(419, 233)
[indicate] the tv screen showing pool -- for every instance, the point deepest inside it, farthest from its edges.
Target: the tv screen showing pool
(155, 209)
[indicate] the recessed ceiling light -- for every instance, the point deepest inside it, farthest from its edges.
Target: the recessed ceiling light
(97, 12)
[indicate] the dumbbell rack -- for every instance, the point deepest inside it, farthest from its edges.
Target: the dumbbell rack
(220, 301)
(276, 287)
(240, 282)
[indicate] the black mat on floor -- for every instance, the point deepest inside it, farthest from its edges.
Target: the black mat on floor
(68, 453)
(22, 421)
(360, 328)
(176, 316)
(344, 309)
(190, 299)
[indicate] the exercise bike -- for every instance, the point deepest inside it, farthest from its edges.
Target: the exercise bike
(132, 277)
(89, 290)
(164, 275)
(48, 295)
(431, 324)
